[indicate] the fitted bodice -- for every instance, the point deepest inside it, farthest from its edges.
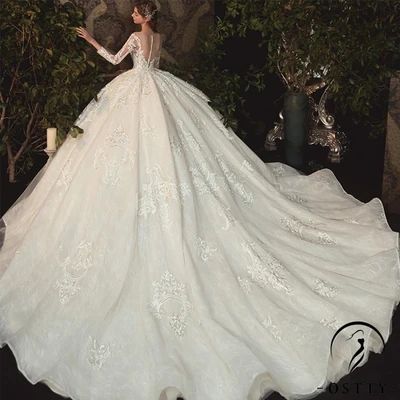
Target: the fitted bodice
(144, 49)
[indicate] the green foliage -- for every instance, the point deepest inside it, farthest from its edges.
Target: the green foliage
(224, 92)
(354, 44)
(46, 77)
(224, 87)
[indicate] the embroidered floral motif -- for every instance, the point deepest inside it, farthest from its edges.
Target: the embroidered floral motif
(323, 176)
(278, 170)
(74, 269)
(111, 174)
(184, 189)
(117, 137)
(130, 46)
(176, 145)
(246, 165)
(266, 271)
(199, 122)
(163, 87)
(267, 322)
(324, 238)
(228, 216)
(306, 231)
(97, 354)
(122, 100)
(205, 250)
(295, 197)
(145, 81)
(331, 322)
(351, 220)
(189, 140)
(145, 127)
(204, 180)
(113, 154)
(235, 184)
(66, 175)
(323, 289)
(169, 290)
(157, 194)
(245, 284)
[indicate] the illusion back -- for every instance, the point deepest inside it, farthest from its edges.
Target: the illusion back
(145, 50)
(149, 49)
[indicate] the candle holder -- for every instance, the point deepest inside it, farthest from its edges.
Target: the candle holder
(50, 152)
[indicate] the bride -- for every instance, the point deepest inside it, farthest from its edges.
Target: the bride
(157, 256)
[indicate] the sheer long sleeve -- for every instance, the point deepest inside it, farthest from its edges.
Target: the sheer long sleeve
(129, 46)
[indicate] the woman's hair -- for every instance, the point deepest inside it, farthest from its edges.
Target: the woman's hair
(147, 6)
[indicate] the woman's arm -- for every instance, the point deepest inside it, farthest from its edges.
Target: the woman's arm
(129, 46)
(82, 32)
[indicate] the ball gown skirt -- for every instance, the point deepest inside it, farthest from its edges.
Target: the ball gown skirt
(157, 255)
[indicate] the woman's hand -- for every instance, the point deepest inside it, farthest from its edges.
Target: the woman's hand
(82, 32)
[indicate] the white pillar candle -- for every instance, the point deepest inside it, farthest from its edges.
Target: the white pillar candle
(51, 138)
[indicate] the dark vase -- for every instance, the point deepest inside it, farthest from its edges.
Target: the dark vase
(295, 125)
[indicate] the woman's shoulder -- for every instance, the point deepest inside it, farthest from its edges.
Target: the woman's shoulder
(140, 34)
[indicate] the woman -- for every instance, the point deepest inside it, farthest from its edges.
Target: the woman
(177, 263)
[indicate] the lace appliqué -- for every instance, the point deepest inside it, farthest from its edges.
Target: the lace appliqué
(199, 122)
(145, 82)
(276, 333)
(228, 216)
(130, 47)
(146, 128)
(278, 170)
(351, 220)
(118, 137)
(306, 231)
(246, 165)
(74, 269)
(113, 154)
(204, 180)
(169, 290)
(163, 87)
(245, 284)
(324, 177)
(188, 143)
(295, 197)
(189, 140)
(265, 271)
(66, 175)
(323, 289)
(331, 322)
(205, 249)
(157, 194)
(97, 354)
(235, 184)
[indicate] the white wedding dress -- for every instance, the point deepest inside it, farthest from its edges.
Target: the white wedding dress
(156, 255)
